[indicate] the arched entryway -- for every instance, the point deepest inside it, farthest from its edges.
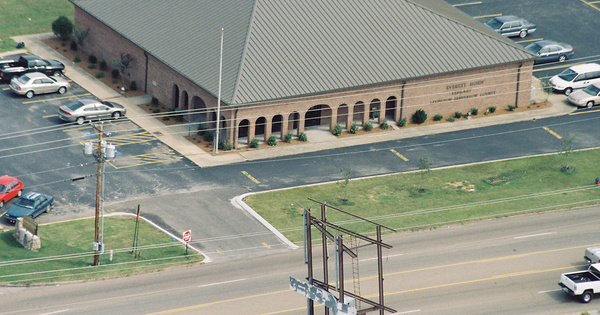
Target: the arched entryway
(391, 107)
(175, 96)
(359, 113)
(277, 125)
(374, 110)
(317, 115)
(243, 132)
(293, 122)
(259, 130)
(342, 116)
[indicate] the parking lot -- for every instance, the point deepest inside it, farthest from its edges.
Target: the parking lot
(46, 154)
(572, 22)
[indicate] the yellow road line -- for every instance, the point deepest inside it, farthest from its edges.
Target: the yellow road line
(1, 215)
(529, 40)
(586, 112)
(220, 252)
(590, 4)
(56, 98)
(486, 16)
(266, 245)
(250, 177)
(399, 155)
(552, 132)
(469, 3)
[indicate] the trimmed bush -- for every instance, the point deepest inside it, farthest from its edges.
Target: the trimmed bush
(384, 125)
(228, 146)
(76, 58)
(73, 46)
(91, 66)
(438, 117)
(474, 111)
(272, 141)
(419, 117)
(368, 127)
(92, 59)
(154, 101)
(450, 119)
(103, 65)
(353, 129)
(208, 136)
(511, 107)
(114, 74)
(100, 74)
(401, 122)
(62, 27)
(254, 143)
(133, 86)
(221, 145)
(458, 115)
(156, 110)
(337, 130)
(492, 109)
(302, 137)
(288, 137)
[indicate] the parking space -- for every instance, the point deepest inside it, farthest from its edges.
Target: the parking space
(572, 22)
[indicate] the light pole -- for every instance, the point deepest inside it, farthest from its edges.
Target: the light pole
(103, 153)
(219, 96)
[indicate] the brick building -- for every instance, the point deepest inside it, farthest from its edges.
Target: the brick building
(288, 65)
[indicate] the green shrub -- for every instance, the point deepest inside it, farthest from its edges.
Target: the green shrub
(156, 110)
(165, 118)
(511, 107)
(458, 115)
(100, 74)
(228, 146)
(91, 66)
(401, 122)
(221, 145)
(492, 109)
(384, 125)
(154, 101)
(474, 111)
(337, 130)
(76, 58)
(73, 45)
(103, 65)
(254, 143)
(302, 137)
(207, 136)
(353, 129)
(450, 119)
(368, 127)
(419, 116)
(92, 59)
(114, 74)
(288, 137)
(438, 117)
(133, 86)
(272, 141)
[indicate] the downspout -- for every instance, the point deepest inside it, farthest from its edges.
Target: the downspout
(518, 81)
(402, 100)
(146, 73)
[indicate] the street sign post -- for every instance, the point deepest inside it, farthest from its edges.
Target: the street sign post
(187, 237)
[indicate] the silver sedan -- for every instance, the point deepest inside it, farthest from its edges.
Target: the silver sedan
(82, 110)
(34, 83)
(587, 97)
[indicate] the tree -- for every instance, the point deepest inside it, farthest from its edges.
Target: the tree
(424, 166)
(567, 151)
(62, 27)
(123, 64)
(346, 174)
(79, 38)
(546, 87)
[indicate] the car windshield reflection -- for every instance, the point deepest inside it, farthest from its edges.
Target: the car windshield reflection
(26, 203)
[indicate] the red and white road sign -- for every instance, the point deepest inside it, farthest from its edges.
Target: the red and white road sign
(187, 236)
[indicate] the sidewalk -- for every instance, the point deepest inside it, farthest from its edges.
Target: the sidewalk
(319, 138)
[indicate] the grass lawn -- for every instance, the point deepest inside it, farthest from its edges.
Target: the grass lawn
(438, 197)
(23, 17)
(67, 255)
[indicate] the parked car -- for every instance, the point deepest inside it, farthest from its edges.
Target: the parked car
(32, 204)
(549, 50)
(10, 188)
(87, 109)
(588, 97)
(509, 25)
(34, 83)
(576, 77)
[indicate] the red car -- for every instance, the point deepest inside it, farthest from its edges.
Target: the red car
(10, 188)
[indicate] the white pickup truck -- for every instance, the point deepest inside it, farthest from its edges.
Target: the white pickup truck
(592, 254)
(582, 283)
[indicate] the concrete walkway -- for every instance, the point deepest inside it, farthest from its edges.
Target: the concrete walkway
(318, 138)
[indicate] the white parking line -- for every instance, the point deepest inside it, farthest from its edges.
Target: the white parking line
(534, 235)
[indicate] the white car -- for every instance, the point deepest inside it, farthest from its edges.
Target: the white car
(34, 83)
(587, 97)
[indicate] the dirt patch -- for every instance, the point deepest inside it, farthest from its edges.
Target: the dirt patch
(465, 186)
(63, 48)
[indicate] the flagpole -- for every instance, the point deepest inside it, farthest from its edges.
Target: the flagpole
(219, 97)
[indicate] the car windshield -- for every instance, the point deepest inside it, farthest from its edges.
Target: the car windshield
(495, 24)
(23, 79)
(567, 75)
(592, 90)
(108, 104)
(534, 48)
(26, 203)
(75, 105)
(3, 189)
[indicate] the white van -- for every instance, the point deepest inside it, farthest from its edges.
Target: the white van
(576, 77)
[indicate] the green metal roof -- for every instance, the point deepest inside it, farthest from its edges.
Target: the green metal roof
(276, 49)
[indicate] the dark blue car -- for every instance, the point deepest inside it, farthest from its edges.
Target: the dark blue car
(549, 50)
(32, 204)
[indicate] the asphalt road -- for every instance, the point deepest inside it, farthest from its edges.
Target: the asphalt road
(503, 266)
